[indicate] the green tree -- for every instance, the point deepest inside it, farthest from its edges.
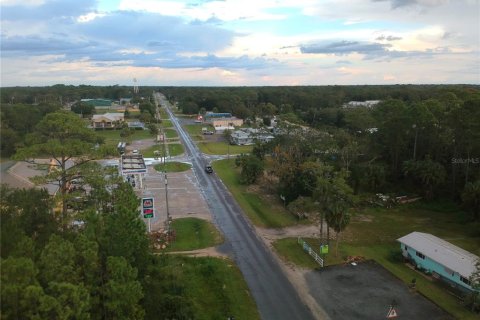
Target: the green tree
(334, 196)
(25, 213)
(393, 127)
(36, 304)
(252, 169)
(57, 261)
(63, 137)
(122, 291)
(471, 198)
(73, 300)
(474, 279)
(153, 129)
(428, 172)
(84, 109)
(124, 233)
(17, 274)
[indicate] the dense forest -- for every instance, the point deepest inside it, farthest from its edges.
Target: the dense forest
(418, 140)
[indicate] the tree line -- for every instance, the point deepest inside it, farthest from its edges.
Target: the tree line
(342, 157)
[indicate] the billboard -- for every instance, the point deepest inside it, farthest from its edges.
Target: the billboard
(147, 208)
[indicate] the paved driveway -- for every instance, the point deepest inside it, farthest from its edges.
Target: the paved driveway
(365, 292)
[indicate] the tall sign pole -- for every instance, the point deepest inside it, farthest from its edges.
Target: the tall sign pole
(148, 210)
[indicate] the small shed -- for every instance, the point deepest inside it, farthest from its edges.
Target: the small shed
(442, 259)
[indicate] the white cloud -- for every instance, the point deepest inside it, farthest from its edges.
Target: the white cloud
(25, 3)
(240, 42)
(90, 16)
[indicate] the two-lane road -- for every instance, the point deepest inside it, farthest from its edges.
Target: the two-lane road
(275, 296)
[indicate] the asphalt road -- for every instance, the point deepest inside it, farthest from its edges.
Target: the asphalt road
(275, 296)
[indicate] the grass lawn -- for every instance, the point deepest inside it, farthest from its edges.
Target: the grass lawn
(214, 287)
(175, 149)
(195, 131)
(194, 233)
(163, 113)
(260, 212)
(171, 133)
(112, 137)
(223, 148)
(167, 123)
(172, 167)
(290, 250)
(372, 234)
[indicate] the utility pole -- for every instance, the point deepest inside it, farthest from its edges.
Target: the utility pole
(166, 181)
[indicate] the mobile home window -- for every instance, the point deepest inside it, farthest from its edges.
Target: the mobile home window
(464, 280)
(421, 255)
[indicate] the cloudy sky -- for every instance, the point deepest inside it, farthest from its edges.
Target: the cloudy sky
(239, 42)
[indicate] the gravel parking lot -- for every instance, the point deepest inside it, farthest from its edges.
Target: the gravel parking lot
(365, 291)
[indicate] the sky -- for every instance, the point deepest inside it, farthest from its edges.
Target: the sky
(239, 42)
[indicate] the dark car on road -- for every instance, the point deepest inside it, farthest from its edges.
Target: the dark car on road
(208, 168)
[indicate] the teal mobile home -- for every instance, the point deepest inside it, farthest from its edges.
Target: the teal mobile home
(442, 259)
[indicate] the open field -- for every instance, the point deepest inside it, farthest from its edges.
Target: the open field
(167, 123)
(260, 212)
(194, 233)
(112, 137)
(163, 113)
(174, 149)
(171, 133)
(214, 287)
(223, 148)
(195, 131)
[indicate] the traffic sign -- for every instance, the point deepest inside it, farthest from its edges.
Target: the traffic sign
(147, 208)
(392, 313)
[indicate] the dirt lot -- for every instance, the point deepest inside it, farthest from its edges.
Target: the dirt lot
(365, 292)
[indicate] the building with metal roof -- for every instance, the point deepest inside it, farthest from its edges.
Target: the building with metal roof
(132, 168)
(442, 259)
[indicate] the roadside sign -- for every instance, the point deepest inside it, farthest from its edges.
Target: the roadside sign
(392, 313)
(324, 249)
(147, 208)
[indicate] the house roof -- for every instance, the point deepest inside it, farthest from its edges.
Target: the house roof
(441, 251)
(113, 116)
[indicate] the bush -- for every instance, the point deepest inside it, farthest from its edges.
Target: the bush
(395, 256)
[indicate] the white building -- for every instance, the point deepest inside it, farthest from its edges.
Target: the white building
(361, 104)
(249, 136)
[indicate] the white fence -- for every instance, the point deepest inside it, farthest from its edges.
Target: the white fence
(310, 251)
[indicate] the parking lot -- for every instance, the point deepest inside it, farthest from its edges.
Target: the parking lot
(366, 291)
(184, 196)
